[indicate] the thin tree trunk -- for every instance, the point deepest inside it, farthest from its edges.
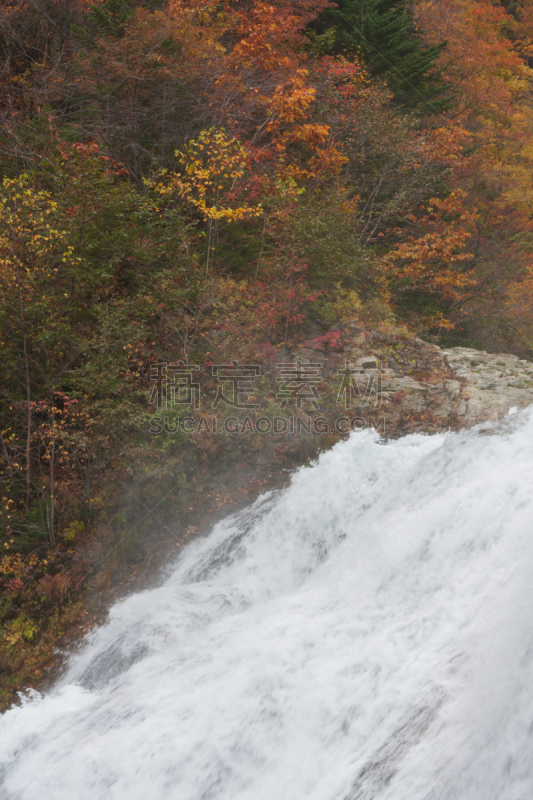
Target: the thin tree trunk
(209, 230)
(262, 247)
(28, 391)
(51, 532)
(7, 457)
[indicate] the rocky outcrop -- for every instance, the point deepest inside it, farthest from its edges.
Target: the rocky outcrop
(471, 385)
(492, 383)
(407, 377)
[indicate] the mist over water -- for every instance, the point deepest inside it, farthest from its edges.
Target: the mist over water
(366, 633)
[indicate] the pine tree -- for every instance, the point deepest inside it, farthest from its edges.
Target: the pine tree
(384, 34)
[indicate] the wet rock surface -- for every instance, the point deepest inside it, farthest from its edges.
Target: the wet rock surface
(472, 385)
(492, 382)
(403, 377)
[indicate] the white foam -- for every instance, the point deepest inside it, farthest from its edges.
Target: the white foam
(366, 633)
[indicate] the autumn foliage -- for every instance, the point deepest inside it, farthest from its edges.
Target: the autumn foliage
(191, 179)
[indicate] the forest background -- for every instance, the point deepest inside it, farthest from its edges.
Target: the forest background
(203, 181)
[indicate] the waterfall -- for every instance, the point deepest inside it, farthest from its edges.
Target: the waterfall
(365, 633)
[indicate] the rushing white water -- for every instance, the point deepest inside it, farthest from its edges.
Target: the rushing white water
(367, 633)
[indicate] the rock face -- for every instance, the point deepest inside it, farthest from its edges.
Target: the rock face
(416, 385)
(460, 382)
(492, 383)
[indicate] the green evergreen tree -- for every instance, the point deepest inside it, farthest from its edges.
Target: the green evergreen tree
(383, 32)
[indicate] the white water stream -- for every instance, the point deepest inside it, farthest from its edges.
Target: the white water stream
(366, 633)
